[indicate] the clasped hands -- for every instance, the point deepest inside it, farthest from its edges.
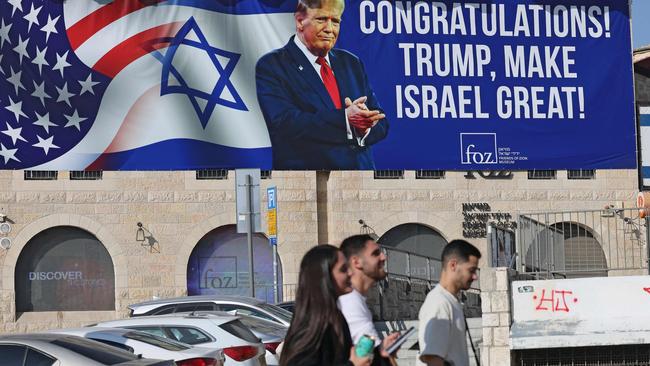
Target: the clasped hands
(359, 116)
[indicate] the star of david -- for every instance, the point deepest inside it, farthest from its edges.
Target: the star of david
(223, 83)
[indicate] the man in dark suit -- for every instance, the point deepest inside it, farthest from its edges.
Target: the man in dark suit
(317, 102)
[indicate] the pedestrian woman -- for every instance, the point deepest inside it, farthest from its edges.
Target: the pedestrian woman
(319, 334)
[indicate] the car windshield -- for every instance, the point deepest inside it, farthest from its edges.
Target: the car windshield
(95, 351)
(156, 341)
(277, 311)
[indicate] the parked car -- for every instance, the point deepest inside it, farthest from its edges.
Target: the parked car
(42, 349)
(287, 305)
(270, 333)
(226, 332)
(243, 305)
(148, 345)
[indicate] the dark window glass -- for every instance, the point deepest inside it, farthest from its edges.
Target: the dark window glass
(389, 174)
(243, 310)
(41, 174)
(164, 310)
(12, 355)
(157, 331)
(64, 269)
(156, 341)
(541, 174)
(264, 326)
(113, 344)
(95, 351)
(429, 174)
(239, 330)
(277, 311)
(86, 175)
(581, 174)
(189, 335)
(212, 174)
(185, 308)
(265, 174)
(35, 358)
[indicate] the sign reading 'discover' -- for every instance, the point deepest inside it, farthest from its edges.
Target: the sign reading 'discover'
(482, 85)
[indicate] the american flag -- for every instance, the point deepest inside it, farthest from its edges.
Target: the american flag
(135, 84)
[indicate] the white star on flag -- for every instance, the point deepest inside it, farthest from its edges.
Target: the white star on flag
(44, 121)
(74, 120)
(16, 4)
(8, 154)
(16, 109)
(39, 92)
(50, 27)
(40, 59)
(4, 33)
(46, 145)
(21, 49)
(64, 94)
(14, 80)
(61, 62)
(14, 133)
(32, 17)
(87, 85)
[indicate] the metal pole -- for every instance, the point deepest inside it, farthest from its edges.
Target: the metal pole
(249, 233)
(647, 241)
(275, 273)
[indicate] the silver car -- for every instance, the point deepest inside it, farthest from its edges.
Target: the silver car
(270, 333)
(40, 349)
(243, 305)
(149, 345)
(225, 332)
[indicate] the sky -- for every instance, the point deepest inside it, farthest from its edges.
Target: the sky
(640, 23)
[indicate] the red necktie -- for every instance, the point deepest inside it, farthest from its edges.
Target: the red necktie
(329, 81)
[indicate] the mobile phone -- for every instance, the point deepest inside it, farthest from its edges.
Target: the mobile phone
(400, 340)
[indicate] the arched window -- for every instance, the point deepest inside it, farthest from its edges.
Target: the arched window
(64, 269)
(568, 250)
(583, 254)
(219, 265)
(419, 240)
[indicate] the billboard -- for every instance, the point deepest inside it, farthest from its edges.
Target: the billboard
(193, 84)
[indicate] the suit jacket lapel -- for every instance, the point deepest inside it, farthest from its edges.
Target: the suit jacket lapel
(307, 72)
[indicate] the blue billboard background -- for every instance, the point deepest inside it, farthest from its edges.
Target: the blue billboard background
(599, 134)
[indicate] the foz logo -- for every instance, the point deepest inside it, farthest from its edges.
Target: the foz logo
(478, 148)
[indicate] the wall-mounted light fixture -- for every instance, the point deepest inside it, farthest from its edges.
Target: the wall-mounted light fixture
(5, 229)
(366, 229)
(144, 236)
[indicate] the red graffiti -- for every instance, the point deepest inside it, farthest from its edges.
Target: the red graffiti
(556, 301)
(646, 289)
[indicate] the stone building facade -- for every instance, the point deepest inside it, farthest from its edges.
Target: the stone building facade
(313, 207)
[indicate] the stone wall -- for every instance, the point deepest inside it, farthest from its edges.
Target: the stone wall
(313, 207)
(175, 207)
(495, 296)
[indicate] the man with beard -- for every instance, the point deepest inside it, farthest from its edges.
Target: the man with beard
(366, 260)
(442, 325)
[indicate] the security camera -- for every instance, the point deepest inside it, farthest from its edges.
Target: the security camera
(3, 217)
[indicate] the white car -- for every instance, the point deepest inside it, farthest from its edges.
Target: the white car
(242, 304)
(148, 345)
(239, 344)
(41, 349)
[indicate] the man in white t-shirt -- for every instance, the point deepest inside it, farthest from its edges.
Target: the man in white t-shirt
(366, 260)
(441, 332)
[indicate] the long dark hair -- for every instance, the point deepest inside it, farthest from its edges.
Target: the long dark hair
(316, 315)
